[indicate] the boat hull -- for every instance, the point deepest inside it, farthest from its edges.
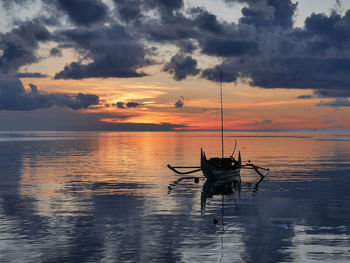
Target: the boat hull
(212, 172)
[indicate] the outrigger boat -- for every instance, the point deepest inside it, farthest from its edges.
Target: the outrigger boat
(221, 168)
(224, 168)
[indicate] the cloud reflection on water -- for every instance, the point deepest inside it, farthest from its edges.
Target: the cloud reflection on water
(104, 197)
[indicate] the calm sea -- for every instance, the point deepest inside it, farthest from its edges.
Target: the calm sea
(109, 197)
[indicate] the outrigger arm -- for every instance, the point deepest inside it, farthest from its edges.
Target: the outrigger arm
(256, 168)
(184, 167)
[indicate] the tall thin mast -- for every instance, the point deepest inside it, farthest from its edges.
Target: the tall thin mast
(222, 116)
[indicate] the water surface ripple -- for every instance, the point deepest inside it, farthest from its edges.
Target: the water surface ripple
(104, 197)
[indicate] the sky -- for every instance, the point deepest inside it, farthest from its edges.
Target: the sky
(134, 65)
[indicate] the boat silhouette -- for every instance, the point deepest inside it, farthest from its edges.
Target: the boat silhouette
(221, 168)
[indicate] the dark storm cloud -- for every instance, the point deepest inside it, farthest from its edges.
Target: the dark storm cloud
(303, 73)
(291, 72)
(169, 28)
(263, 48)
(181, 66)
(265, 13)
(220, 72)
(327, 77)
(18, 46)
(14, 97)
(270, 12)
(332, 31)
(113, 52)
(170, 5)
(164, 7)
(128, 10)
(81, 12)
(314, 57)
(132, 10)
(186, 46)
(206, 21)
(228, 47)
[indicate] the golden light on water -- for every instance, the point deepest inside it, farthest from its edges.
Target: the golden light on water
(105, 163)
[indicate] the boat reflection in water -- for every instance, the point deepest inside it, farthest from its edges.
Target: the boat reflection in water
(228, 187)
(213, 187)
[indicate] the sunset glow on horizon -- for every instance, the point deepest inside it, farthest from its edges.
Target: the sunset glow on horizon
(245, 108)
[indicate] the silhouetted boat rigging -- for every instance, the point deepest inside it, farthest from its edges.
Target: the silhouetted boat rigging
(224, 168)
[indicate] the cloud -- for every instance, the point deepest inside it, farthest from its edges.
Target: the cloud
(113, 52)
(305, 97)
(132, 104)
(314, 57)
(269, 13)
(179, 103)
(186, 46)
(181, 66)
(128, 10)
(338, 102)
(80, 12)
(206, 21)
(18, 46)
(8, 4)
(63, 119)
(56, 52)
(218, 72)
(13, 97)
(33, 88)
(228, 47)
(263, 48)
(131, 10)
(30, 75)
(144, 126)
(260, 123)
(122, 105)
(164, 7)
(168, 29)
(265, 13)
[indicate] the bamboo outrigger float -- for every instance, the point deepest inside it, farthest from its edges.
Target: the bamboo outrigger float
(221, 169)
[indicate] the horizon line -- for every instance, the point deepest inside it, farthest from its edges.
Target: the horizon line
(199, 130)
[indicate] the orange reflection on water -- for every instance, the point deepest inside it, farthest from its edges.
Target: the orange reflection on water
(98, 164)
(63, 175)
